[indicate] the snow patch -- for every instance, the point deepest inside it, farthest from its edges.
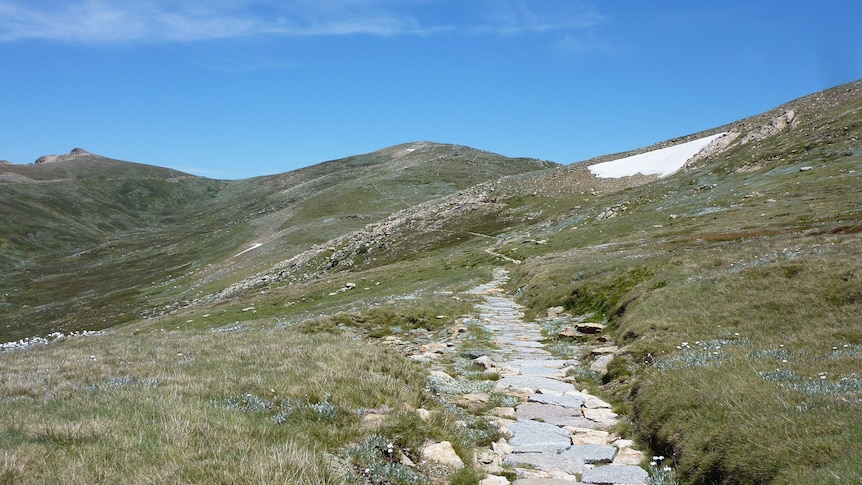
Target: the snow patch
(253, 246)
(661, 162)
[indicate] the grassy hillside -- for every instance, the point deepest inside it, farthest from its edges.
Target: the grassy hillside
(732, 289)
(89, 242)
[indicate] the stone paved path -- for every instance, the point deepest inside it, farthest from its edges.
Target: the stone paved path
(559, 433)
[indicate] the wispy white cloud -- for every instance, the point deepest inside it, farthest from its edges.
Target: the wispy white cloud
(105, 21)
(513, 17)
(160, 20)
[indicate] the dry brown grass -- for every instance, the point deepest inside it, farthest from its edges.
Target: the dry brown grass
(160, 407)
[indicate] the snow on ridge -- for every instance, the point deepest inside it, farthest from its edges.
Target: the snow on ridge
(661, 162)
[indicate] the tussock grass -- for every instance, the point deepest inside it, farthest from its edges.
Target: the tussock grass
(195, 406)
(769, 350)
(741, 358)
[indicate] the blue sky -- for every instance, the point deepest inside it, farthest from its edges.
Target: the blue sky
(239, 88)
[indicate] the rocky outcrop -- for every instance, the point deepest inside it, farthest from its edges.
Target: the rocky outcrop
(403, 233)
(775, 126)
(75, 153)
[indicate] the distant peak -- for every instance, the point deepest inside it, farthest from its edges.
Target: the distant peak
(75, 153)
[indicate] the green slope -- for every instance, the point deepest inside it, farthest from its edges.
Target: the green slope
(89, 242)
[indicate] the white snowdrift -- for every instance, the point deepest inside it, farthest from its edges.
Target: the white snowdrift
(661, 162)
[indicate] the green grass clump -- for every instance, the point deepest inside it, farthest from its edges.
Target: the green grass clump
(466, 476)
(604, 296)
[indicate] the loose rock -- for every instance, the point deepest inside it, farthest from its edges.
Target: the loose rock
(600, 366)
(494, 480)
(442, 453)
(553, 312)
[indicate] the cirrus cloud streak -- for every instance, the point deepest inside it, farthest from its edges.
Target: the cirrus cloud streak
(101, 21)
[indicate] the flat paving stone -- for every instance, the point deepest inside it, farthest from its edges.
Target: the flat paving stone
(593, 454)
(544, 481)
(526, 344)
(552, 363)
(535, 383)
(584, 423)
(585, 436)
(604, 417)
(535, 437)
(566, 400)
(593, 402)
(547, 461)
(616, 475)
(540, 371)
(549, 413)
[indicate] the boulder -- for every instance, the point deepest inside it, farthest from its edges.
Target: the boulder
(433, 348)
(488, 457)
(502, 447)
(440, 375)
(443, 454)
(504, 412)
(555, 311)
(485, 361)
(600, 366)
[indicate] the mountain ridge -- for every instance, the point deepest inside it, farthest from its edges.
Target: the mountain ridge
(97, 202)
